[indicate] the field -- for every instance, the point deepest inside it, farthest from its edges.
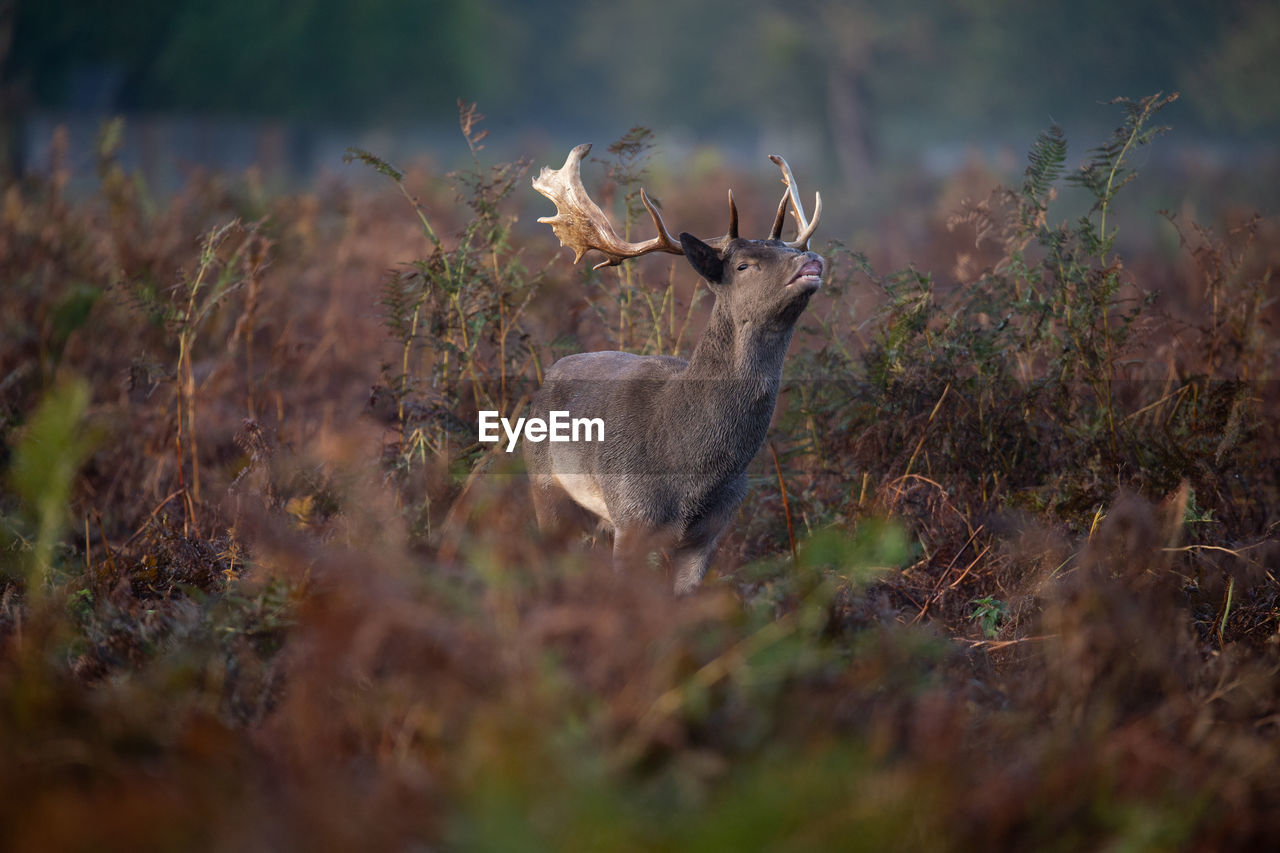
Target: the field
(1006, 578)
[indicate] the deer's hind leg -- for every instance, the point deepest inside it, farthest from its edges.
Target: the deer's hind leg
(558, 514)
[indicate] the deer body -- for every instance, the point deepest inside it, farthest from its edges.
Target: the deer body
(678, 437)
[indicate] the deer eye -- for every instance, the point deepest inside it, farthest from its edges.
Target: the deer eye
(743, 266)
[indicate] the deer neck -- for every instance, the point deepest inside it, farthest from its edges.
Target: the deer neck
(736, 352)
(730, 389)
(719, 408)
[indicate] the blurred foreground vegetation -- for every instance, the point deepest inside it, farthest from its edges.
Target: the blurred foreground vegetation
(1007, 577)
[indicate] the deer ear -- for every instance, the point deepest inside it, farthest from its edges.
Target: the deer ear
(703, 258)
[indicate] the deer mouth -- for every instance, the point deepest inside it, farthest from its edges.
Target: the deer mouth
(809, 275)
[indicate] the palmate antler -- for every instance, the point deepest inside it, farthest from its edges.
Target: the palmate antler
(582, 225)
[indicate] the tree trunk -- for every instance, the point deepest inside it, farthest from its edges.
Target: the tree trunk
(847, 102)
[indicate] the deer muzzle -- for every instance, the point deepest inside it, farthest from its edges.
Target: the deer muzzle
(809, 275)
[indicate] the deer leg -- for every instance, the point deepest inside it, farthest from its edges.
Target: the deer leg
(628, 548)
(558, 515)
(546, 507)
(635, 544)
(691, 566)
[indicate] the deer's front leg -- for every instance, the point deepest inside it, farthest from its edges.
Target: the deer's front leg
(691, 566)
(629, 548)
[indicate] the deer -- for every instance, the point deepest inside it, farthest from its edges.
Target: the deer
(671, 469)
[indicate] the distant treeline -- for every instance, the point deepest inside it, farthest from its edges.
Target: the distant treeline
(860, 76)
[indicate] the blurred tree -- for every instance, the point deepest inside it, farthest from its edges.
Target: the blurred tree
(857, 78)
(350, 60)
(1237, 81)
(1062, 58)
(71, 52)
(354, 60)
(10, 105)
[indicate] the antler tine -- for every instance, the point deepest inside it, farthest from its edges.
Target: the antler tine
(665, 242)
(776, 232)
(722, 243)
(806, 227)
(802, 239)
(582, 225)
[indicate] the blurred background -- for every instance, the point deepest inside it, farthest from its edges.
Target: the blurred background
(855, 90)
(1005, 580)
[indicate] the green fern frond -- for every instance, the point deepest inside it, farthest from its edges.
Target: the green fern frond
(1046, 159)
(401, 295)
(1107, 170)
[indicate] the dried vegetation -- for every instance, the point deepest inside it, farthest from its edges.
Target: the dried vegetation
(1007, 580)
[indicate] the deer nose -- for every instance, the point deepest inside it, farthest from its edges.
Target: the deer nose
(810, 271)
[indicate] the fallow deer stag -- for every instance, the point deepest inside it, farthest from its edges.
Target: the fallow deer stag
(678, 436)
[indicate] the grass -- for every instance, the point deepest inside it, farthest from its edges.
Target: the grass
(1007, 578)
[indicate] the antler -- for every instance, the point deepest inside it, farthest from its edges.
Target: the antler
(806, 227)
(581, 224)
